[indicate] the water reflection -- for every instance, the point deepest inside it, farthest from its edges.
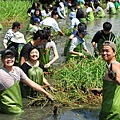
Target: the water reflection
(77, 114)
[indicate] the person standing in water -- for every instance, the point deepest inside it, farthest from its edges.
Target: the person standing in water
(110, 108)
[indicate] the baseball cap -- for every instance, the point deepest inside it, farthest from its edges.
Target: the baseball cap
(111, 44)
(16, 24)
(37, 20)
(82, 30)
(7, 52)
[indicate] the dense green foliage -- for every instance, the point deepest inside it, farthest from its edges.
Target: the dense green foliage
(13, 10)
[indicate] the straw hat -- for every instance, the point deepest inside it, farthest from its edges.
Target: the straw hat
(18, 38)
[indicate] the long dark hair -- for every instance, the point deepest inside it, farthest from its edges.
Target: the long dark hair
(33, 5)
(39, 12)
(33, 47)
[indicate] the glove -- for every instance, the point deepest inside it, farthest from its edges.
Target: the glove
(111, 73)
(47, 65)
(50, 97)
(52, 88)
(96, 52)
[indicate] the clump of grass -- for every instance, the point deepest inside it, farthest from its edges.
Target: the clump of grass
(75, 79)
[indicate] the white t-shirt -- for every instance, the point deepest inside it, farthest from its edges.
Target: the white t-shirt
(43, 12)
(75, 42)
(74, 22)
(51, 44)
(98, 9)
(7, 78)
(110, 5)
(50, 22)
(9, 34)
(89, 9)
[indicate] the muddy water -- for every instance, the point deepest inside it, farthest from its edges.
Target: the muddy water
(36, 113)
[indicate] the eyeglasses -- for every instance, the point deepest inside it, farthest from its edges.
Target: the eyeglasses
(9, 56)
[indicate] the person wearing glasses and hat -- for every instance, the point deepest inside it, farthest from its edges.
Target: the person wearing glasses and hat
(110, 108)
(10, 33)
(77, 43)
(10, 76)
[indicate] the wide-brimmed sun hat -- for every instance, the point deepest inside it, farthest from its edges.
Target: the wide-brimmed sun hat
(18, 38)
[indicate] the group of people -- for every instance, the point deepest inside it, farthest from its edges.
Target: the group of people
(32, 57)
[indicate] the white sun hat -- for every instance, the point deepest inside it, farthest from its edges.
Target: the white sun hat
(18, 38)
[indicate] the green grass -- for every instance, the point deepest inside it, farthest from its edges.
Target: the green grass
(14, 10)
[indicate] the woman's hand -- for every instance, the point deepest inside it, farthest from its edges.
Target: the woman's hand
(47, 65)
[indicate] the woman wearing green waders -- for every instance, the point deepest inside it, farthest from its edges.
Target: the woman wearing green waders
(110, 108)
(33, 68)
(10, 76)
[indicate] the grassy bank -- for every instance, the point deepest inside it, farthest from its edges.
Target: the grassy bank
(13, 10)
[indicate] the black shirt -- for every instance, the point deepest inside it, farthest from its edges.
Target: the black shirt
(101, 35)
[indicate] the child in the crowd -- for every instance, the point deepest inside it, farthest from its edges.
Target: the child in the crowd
(89, 12)
(110, 7)
(99, 11)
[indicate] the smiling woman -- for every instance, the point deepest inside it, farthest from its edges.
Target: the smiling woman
(33, 68)
(10, 76)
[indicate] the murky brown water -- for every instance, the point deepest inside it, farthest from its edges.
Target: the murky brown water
(36, 113)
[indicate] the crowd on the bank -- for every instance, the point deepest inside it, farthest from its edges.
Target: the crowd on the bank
(26, 59)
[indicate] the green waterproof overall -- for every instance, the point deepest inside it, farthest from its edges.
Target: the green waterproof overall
(101, 41)
(11, 100)
(90, 16)
(110, 109)
(101, 14)
(45, 55)
(77, 49)
(36, 75)
(112, 11)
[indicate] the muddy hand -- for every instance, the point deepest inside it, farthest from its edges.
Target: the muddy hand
(47, 65)
(52, 89)
(50, 97)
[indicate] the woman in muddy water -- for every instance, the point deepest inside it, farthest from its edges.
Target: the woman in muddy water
(33, 68)
(110, 109)
(10, 76)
